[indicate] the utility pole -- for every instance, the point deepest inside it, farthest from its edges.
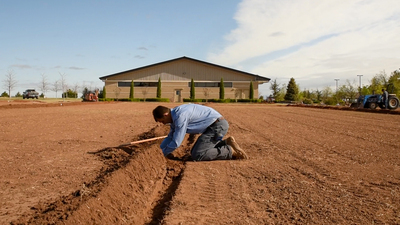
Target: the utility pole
(336, 94)
(359, 87)
(337, 83)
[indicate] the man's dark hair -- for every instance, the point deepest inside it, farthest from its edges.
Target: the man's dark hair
(159, 111)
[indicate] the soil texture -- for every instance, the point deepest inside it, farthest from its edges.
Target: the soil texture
(62, 163)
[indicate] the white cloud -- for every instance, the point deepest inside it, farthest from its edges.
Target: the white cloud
(314, 41)
(21, 66)
(75, 68)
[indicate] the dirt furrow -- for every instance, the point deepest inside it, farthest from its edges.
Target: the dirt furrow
(118, 194)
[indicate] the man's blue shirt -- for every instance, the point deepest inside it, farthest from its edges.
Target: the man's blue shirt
(188, 118)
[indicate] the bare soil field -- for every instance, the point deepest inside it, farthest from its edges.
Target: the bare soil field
(60, 164)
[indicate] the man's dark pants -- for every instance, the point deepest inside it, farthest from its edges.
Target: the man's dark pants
(208, 147)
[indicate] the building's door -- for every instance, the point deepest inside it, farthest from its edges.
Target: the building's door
(178, 95)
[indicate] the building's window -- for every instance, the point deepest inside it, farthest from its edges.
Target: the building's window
(138, 84)
(210, 84)
(124, 84)
(227, 84)
(146, 84)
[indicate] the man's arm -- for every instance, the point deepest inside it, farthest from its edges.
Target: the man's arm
(166, 142)
(175, 136)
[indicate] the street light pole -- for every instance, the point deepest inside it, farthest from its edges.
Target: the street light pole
(359, 87)
(336, 83)
(337, 101)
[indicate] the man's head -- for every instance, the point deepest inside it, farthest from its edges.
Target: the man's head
(162, 114)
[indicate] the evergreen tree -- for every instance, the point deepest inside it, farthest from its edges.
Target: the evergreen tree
(291, 91)
(275, 88)
(221, 89)
(251, 95)
(159, 88)
(104, 92)
(84, 92)
(131, 91)
(4, 94)
(192, 90)
(69, 94)
(319, 94)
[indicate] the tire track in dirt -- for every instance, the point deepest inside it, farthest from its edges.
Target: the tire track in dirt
(313, 129)
(311, 164)
(364, 119)
(135, 185)
(175, 169)
(349, 137)
(299, 186)
(351, 159)
(212, 193)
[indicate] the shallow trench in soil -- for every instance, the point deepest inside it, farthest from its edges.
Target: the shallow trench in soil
(135, 185)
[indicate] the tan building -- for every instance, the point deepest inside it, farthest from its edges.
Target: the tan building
(176, 75)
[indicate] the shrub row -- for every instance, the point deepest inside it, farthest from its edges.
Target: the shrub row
(222, 100)
(184, 100)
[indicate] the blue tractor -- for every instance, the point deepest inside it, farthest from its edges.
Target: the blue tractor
(374, 100)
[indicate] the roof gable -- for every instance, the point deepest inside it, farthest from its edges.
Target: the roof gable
(167, 70)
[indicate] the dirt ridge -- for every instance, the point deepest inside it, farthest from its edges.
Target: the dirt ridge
(68, 209)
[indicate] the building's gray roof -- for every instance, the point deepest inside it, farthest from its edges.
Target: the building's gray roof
(257, 77)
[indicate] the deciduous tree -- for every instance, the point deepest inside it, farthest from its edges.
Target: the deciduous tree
(63, 83)
(76, 89)
(395, 80)
(10, 82)
(145, 91)
(56, 87)
(44, 84)
(207, 92)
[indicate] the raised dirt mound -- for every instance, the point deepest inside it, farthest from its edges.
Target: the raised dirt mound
(135, 185)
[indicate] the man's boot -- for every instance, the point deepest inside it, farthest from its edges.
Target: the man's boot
(237, 152)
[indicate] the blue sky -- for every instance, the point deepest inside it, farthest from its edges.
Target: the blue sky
(313, 41)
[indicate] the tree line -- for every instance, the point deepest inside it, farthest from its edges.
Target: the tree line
(60, 85)
(344, 94)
